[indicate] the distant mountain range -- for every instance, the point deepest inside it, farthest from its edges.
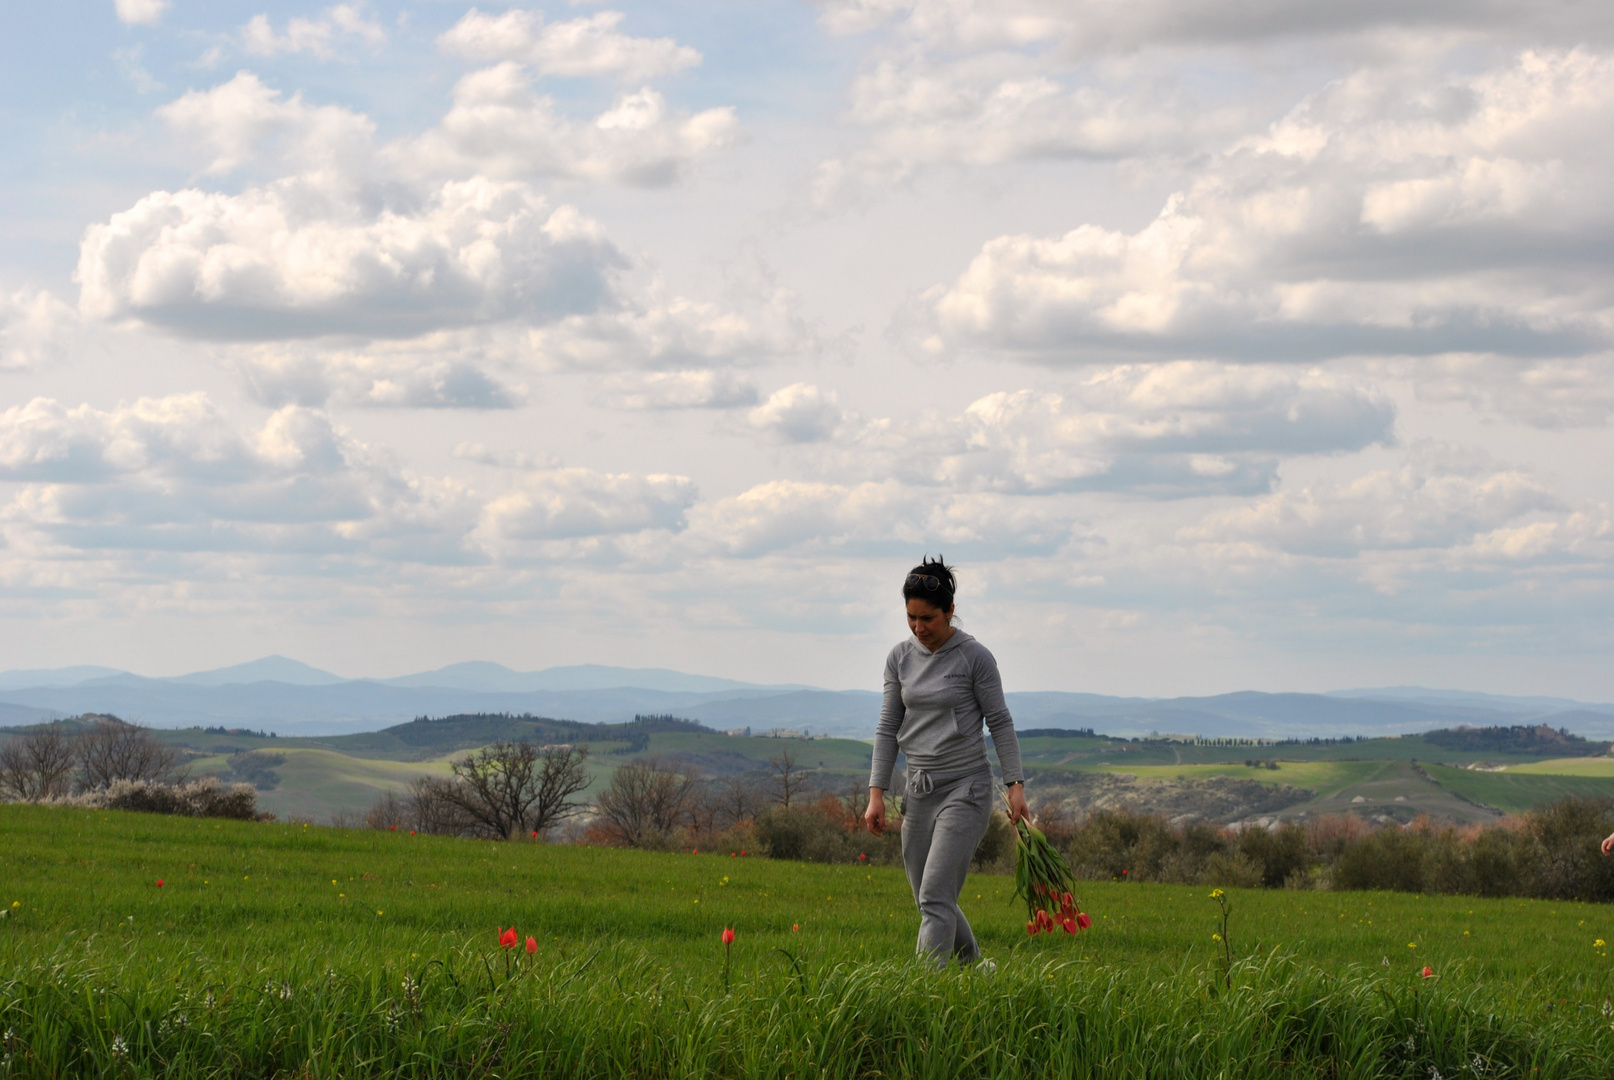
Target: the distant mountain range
(293, 698)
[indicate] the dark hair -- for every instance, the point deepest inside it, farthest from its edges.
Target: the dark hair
(941, 597)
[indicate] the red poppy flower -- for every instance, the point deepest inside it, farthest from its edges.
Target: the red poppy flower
(728, 935)
(532, 946)
(1428, 972)
(159, 883)
(795, 928)
(1083, 920)
(508, 939)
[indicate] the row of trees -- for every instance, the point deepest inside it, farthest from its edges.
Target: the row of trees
(55, 760)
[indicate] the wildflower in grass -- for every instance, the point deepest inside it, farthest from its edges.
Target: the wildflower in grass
(728, 946)
(119, 1047)
(159, 883)
(1083, 920)
(795, 928)
(1598, 944)
(392, 828)
(1427, 972)
(1069, 925)
(508, 939)
(532, 946)
(1031, 928)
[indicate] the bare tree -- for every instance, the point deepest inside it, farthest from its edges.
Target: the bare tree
(741, 800)
(431, 810)
(113, 750)
(644, 803)
(704, 807)
(38, 765)
(789, 778)
(513, 788)
(857, 799)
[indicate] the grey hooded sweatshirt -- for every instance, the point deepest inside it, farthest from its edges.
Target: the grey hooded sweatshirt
(933, 708)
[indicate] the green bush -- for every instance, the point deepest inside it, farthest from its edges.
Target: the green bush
(1389, 858)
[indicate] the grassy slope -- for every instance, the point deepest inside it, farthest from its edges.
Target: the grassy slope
(1597, 766)
(297, 929)
(314, 784)
(1518, 791)
(82, 873)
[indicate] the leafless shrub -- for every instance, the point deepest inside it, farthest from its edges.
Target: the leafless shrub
(387, 812)
(510, 789)
(345, 819)
(644, 805)
(112, 750)
(36, 766)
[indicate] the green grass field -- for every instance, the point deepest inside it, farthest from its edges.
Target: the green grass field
(277, 949)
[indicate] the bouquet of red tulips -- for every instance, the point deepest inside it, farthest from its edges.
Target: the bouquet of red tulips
(1043, 880)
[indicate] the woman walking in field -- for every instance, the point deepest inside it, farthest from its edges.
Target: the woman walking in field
(940, 686)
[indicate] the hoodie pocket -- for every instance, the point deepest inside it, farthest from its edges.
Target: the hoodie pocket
(965, 722)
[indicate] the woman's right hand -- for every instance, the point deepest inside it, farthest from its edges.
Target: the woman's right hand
(874, 816)
(1608, 845)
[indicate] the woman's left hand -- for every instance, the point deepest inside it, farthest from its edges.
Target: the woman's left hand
(1017, 805)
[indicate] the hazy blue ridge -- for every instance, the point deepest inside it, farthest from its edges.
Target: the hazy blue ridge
(290, 697)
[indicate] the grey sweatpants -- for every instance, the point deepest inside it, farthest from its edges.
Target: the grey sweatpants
(942, 825)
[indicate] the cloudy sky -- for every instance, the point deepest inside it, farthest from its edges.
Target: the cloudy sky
(1224, 344)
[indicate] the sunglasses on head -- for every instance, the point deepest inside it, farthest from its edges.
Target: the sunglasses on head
(927, 581)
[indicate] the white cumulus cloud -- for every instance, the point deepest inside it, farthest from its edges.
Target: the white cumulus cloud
(702, 389)
(141, 12)
(583, 47)
(282, 262)
(318, 36)
(1376, 218)
(35, 329)
(501, 126)
(1439, 497)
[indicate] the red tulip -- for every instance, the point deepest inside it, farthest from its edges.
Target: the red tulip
(508, 939)
(159, 883)
(728, 935)
(1069, 925)
(742, 853)
(1066, 900)
(795, 928)
(734, 854)
(1031, 928)
(411, 832)
(1428, 972)
(1083, 920)
(535, 834)
(532, 946)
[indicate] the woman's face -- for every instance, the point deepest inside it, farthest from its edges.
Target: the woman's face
(929, 623)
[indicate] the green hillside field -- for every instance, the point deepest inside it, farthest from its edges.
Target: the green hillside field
(278, 949)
